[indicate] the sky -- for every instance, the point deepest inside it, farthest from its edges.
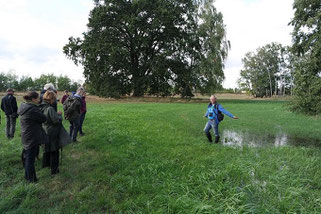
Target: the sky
(33, 33)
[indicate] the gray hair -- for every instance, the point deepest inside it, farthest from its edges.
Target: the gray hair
(49, 86)
(80, 91)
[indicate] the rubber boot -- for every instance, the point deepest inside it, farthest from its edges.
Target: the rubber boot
(217, 138)
(209, 137)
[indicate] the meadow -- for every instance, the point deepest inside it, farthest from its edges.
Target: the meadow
(152, 157)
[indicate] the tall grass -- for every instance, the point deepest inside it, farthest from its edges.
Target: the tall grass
(154, 158)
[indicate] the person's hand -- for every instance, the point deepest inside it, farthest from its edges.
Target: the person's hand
(59, 112)
(235, 118)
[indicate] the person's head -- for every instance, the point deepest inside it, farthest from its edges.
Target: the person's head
(50, 97)
(66, 92)
(49, 86)
(32, 96)
(10, 91)
(213, 99)
(80, 91)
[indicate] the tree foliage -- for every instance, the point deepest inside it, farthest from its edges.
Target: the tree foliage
(159, 47)
(307, 47)
(26, 83)
(267, 71)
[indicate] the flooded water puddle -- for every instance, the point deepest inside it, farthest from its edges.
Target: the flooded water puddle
(239, 139)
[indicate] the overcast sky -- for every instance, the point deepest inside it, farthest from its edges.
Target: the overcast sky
(33, 33)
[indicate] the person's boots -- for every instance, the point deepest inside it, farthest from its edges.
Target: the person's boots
(209, 137)
(217, 138)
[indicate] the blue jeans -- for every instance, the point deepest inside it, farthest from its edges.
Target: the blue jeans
(82, 118)
(74, 128)
(211, 124)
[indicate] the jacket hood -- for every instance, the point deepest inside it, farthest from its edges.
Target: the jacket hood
(25, 107)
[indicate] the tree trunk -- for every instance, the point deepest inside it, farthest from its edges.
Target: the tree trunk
(270, 84)
(138, 86)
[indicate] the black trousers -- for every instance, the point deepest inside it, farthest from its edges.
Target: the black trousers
(28, 159)
(10, 125)
(51, 159)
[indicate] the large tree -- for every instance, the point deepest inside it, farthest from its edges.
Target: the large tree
(160, 47)
(307, 46)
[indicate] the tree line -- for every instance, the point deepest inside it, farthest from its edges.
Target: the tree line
(294, 70)
(26, 83)
(268, 71)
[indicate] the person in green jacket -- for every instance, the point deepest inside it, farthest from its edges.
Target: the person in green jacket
(52, 128)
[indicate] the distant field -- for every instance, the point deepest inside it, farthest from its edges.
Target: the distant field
(151, 156)
(196, 98)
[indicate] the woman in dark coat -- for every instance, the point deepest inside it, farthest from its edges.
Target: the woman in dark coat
(32, 133)
(52, 128)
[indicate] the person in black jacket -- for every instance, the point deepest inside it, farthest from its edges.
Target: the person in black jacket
(32, 134)
(9, 107)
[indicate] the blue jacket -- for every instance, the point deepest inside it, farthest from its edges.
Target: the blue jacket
(211, 112)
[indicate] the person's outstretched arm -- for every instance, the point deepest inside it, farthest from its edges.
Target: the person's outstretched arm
(226, 112)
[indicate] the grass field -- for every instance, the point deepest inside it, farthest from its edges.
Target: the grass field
(139, 157)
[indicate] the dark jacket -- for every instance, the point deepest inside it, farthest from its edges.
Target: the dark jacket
(83, 108)
(52, 126)
(9, 104)
(31, 119)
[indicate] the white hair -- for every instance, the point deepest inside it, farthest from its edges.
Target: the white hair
(49, 86)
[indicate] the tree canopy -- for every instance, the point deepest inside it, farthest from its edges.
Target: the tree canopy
(307, 47)
(267, 71)
(158, 47)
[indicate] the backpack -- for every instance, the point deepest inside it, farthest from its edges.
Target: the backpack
(69, 106)
(219, 115)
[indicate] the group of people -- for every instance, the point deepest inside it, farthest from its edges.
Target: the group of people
(41, 124)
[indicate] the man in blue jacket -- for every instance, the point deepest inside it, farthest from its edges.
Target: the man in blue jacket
(212, 114)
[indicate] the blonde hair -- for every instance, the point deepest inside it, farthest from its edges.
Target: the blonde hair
(50, 96)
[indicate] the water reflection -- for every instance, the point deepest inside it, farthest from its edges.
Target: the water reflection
(238, 139)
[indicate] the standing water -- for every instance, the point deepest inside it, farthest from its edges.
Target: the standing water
(239, 139)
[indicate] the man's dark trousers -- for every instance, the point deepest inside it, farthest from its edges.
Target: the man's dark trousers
(10, 125)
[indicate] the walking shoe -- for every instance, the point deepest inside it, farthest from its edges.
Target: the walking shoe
(209, 137)
(217, 138)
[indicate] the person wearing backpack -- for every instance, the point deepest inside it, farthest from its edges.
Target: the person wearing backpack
(215, 116)
(72, 106)
(32, 134)
(10, 108)
(52, 128)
